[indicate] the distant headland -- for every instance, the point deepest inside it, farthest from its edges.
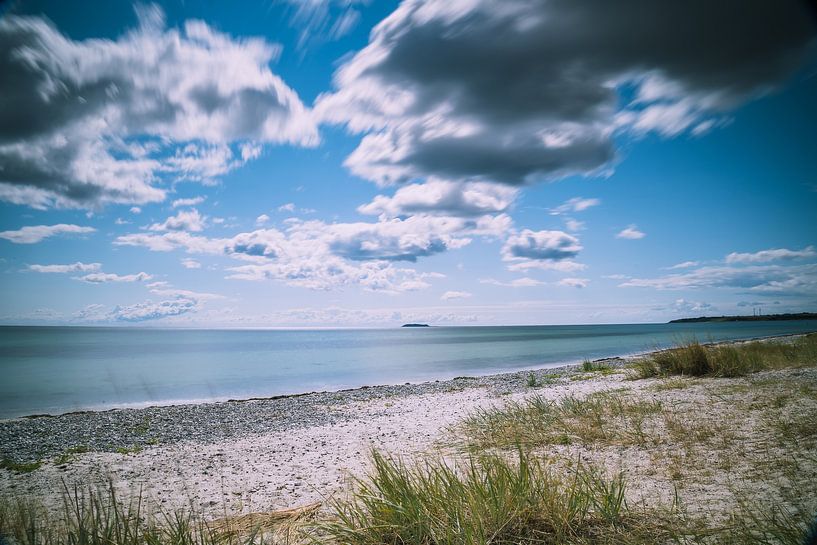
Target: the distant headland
(755, 318)
(415, 325)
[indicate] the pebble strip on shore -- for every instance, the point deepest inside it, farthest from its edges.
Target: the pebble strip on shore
(29, 439)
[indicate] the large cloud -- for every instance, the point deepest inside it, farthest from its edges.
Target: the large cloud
(521, 90)
(320, 255)
(83, 123)
(442, 197)
(761, 279)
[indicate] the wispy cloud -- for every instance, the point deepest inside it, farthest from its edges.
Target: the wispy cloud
(777, 254)
(794, 279)
(450, 295)
(35, 233)
(104, 278)
(193, 201)
(573, 282)
(684, 265)
(576, 204)
(523, 282)
(69, 268)
(631, 233)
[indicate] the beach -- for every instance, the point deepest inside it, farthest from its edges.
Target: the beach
(261, 455)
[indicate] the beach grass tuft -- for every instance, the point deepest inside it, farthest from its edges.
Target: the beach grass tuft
(734, 360)
(485, 499)
(607, 417)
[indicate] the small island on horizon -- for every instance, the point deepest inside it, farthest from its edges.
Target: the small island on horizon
(754, 318)
(415, 325)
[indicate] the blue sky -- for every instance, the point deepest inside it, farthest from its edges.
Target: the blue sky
(364, 164)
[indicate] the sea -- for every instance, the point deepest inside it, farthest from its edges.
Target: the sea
(52, 370)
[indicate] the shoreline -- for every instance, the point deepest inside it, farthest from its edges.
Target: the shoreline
(556, 368)
(263, 455)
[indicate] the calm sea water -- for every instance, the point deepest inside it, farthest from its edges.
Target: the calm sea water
(59, 369)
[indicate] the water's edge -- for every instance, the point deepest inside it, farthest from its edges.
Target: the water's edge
(613, 360)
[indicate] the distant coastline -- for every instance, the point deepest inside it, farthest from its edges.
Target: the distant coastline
(415, 325)
(755, 318)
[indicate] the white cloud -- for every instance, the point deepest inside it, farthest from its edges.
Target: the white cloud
(445, 198)
(450, 295)
(185, 294)
(193, 201)
(150, 310)
(683, 306)
(36, 233)
(188, 263)
(262, 219)
(550, 104)
(96, 121)
(91, 313)
(288, 207)
(70, 268)
(523, 282)
(777, 254)
(576, 204)
(574, 225)
(631, 233)
(320, 255)
(791, 280)
(685, 265)
(184, 220)
(573, 282)
(104, 278)
(540, 246)
(565, 266)
(135, 210)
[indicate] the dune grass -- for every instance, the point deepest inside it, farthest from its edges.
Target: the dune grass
(487, 499)
(604, 417)
(98, 517)
(733, 360)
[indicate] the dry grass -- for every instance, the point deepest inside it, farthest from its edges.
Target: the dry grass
(732, 360)
(604, 417)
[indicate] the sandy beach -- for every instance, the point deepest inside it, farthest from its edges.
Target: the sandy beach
(269, 454)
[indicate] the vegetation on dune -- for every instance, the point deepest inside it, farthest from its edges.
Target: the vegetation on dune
(483, 500)
(728, 360)
(604, 417)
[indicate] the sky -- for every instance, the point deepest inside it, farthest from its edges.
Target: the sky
(354, 163)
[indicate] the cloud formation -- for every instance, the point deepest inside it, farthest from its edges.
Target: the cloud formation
(576, 204)
(450, 295)
(573, 282)
(184, 220)
(104, 278)
(631, 233)
(468, 199)
(33, 234)
(778, 254)
(541, 245)
(520, 91)
(760, 279)
(320, 255)
(85, 123)
(193, 201)
(150, 310)
(62, 269)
